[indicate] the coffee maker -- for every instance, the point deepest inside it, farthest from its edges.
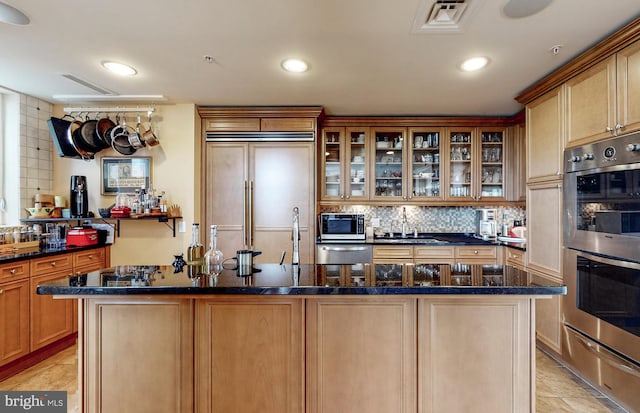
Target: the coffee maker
(486, 223)
(79, 197)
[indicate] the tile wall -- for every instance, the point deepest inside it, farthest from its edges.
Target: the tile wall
(36, 150)
(433, 219)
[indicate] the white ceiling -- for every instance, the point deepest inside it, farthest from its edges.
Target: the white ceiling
(364, 58)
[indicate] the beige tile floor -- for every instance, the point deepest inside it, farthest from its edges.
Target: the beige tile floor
(558, 389)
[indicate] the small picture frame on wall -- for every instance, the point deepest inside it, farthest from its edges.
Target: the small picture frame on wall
(124, 175)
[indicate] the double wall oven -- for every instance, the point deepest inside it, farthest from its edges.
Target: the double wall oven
(601, 311)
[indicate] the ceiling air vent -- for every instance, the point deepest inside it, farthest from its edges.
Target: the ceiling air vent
(442, 15)
(88, 84)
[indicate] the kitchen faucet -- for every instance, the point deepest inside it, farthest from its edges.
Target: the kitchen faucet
(295, 236)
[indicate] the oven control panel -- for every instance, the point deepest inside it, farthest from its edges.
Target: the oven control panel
(615, 151)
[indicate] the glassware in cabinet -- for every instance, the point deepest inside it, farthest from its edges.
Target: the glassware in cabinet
(425, 275)
(424, 161)
(492, 163)
(388, 154)
(461, 155)
(332, 141)
(389, 274)
(357, 156)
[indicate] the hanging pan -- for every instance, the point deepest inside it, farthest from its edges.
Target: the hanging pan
(60, 131)
(87, 133)
(84, 149)
(102, 126)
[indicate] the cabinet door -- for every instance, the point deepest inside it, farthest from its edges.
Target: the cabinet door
(516, 164)
(14, 320)
(461, 154)
(628, 67)
(548, 322)
(332, 179)
(356, 164)
(284, 177)
(425, 164)
(453, 361)
(545, 136)
(154, 351)
(51, 319)
(361, 357)
(491, 175)
(390, 273)
(590, 109)
(89, 260)
(544, 234)
(260, 340)
(225, 198)
(388, 150)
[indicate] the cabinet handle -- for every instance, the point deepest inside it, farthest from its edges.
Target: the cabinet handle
(90, 256)
(475, 252)
(348, 196)
(1, 291)
(53, 263)
(619, 126)
(608, 129)
(12, 271)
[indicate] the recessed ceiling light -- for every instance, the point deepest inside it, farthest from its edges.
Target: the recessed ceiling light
(524, 8)
(11, 15)
(119, 68)
(294, 65)
(475, 63)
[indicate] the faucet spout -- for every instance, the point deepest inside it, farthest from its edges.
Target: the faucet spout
(295, 236)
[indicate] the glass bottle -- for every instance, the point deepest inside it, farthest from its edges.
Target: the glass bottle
(213, 257)
(195, 252)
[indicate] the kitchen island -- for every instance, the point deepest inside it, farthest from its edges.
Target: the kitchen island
(325, 338)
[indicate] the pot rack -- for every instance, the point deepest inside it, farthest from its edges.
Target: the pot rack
(148, 109)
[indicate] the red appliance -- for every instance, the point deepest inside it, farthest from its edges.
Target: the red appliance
(80, 237)
(120, 212)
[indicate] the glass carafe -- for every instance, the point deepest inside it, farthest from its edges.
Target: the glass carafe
(213, 257)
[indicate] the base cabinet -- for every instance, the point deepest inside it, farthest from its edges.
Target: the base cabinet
(138, 355)
(14, 320)
(361, 356)
(250, 355)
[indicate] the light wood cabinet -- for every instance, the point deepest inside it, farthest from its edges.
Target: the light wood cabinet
(50, 319)
(544, 239)
(548, 316)
(515, 257)
(516, 163)
(14, 318)
(251, 189)
(477, 254)
(388, 164)
(425, 164)
(473, 254)
(545, 131)
(155, 351)
(603, 100)
(250, 355)
(361, 355)
(345, 164)
(90, 260)
(453, 361)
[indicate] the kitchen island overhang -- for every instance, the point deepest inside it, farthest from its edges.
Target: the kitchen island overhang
(227, 344)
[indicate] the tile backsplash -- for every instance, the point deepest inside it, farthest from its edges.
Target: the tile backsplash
(433, 219)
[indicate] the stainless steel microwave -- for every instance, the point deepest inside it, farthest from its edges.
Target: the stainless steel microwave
(341, 227)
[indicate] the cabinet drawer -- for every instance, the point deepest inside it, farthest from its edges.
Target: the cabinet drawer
(433, 252)
(515, 257)
(232, 125)
(90, 260)
(47, 265)
(393, 252)
(476, 252)
(287, 124)
(14, 271)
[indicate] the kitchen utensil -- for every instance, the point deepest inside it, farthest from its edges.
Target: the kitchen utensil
(41, 212)
(85, 150)
(148, 136)
(87, 132)
(102, 127)
(59, 129)
(245, 261)
(134, 137)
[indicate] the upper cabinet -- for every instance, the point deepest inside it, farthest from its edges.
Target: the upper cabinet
(420, 164)
(545, 119)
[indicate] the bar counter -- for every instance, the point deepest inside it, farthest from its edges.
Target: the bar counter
(363, 338)
(287, 279)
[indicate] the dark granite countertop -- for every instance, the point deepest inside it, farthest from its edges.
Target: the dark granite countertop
(433, 239)
(274, 279)
(19, 256)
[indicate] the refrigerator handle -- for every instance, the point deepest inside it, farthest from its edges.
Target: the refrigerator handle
(250, 214)
(245, 205)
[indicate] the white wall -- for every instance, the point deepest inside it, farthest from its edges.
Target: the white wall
(175, 170)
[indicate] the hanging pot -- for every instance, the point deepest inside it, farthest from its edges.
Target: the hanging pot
(85, 150)
(148, 136)
(59, 129)
(87, 132)
(102, 126)
(120, 138)
(134, 138)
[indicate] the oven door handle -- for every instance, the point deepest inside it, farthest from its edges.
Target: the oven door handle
(608, 357)
(350, 249)
(604, 260)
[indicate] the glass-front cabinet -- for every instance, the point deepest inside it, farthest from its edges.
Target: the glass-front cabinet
(425, 163)
(345, 172)
(388, 160)
(389, 273)
(492, 165)
(339, 275)
(461, 145)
